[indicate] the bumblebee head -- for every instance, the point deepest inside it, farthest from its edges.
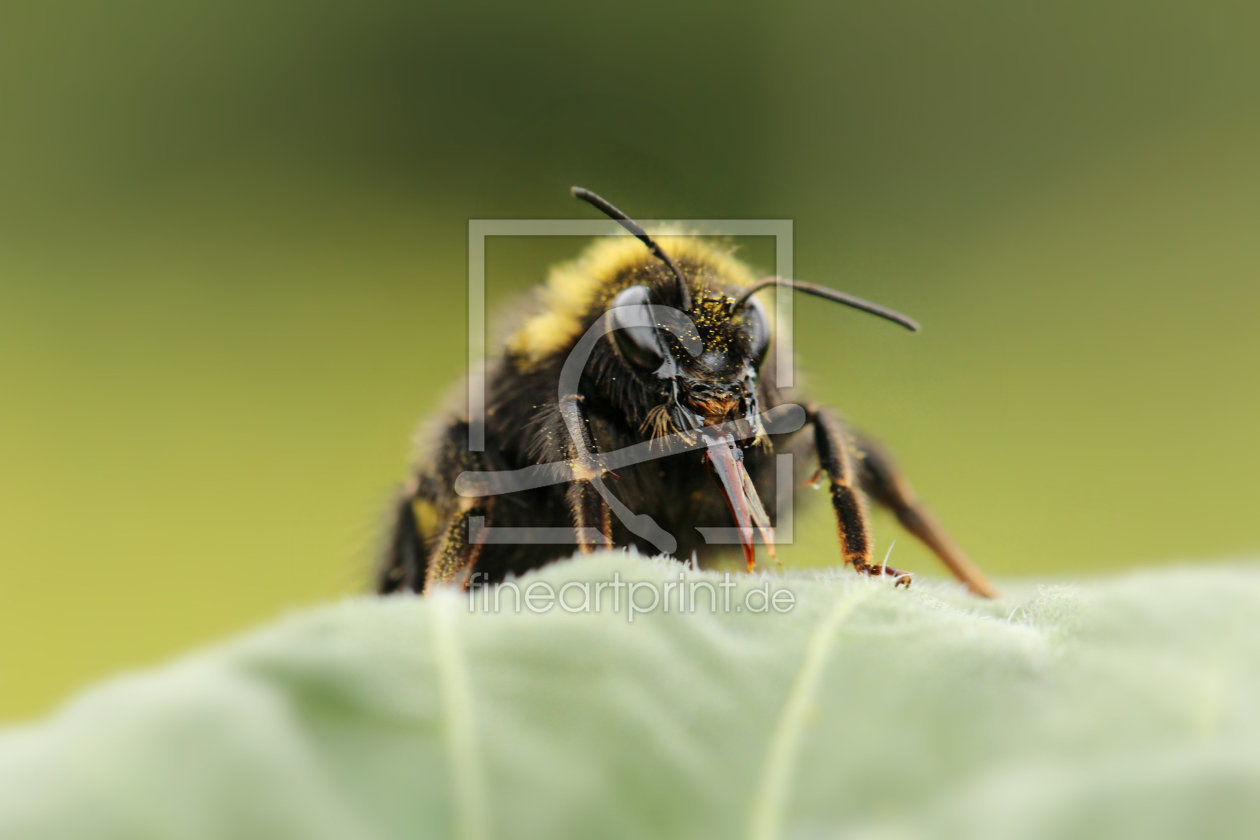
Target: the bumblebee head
(701, 336)
(705, 362)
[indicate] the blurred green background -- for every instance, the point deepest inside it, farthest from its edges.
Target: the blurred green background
(233, 260)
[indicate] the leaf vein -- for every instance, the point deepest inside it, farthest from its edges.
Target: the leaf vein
(770, 795)
(467, 775)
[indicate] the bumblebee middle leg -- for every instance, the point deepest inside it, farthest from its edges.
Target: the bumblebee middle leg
(832, 444)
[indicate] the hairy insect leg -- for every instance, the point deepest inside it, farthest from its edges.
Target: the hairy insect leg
(852, 522)
(589, 511)
(405, 554)
(590, 515)
(883, 480)
(430, 543)
(456, 552)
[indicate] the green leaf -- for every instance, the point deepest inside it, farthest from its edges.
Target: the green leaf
(1122, 707)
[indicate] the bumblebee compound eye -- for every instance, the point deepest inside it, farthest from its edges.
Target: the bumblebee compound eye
(634, 333)
(757, 323)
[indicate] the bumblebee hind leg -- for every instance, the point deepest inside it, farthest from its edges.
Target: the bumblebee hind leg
(456, 553)
(430, 543)
(411, 565)
(405, 554)
(883, 480)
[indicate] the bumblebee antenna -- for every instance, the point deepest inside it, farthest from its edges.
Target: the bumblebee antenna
(830, 294)
(606, 207)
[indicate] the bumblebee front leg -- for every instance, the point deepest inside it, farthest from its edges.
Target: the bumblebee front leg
(852, 521)
(883, 479)
(456, 552)
(592, 519)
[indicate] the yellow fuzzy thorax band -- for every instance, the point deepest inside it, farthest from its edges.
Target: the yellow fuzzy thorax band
(608, 266)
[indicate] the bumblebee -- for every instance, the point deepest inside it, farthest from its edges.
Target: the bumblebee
(636, 406)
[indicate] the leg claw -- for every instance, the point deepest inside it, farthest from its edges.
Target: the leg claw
(899, 577)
